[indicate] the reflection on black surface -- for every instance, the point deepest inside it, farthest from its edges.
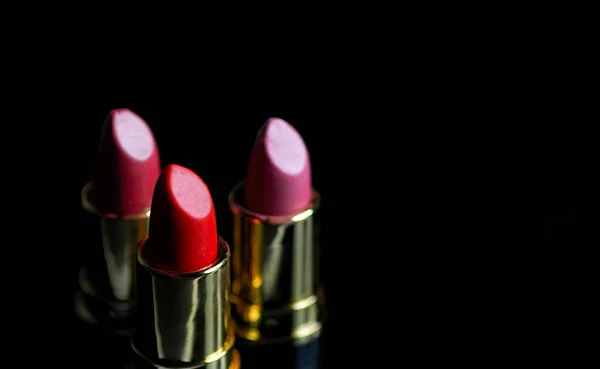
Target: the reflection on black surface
(98, 348)
(282, 355)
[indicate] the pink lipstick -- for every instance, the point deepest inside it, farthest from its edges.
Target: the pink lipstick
(276, 294)
(120, 196)
(278, 181)
(182, 281)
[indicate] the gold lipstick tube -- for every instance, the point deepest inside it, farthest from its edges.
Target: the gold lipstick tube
(183, 320)
(276, 294)
(106, 281)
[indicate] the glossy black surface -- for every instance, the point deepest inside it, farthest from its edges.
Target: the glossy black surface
(100, 349)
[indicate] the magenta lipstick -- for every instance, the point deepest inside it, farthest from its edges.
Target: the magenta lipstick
(276, 293)
(118, 200)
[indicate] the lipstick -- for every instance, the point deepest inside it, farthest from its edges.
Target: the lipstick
(118, 197)
(182, 281)
(276, 293)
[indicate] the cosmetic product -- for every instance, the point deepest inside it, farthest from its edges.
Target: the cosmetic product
(182, 283)
(277, 298)
(117, 201)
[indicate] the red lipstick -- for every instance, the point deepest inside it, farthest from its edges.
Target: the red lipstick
(182, 280)
(275, 287)
(183, 229)
(119, 195)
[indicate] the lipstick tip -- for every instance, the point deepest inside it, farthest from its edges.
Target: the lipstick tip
(128, 165)
(182, 235)
(132, 134)
(278, 181)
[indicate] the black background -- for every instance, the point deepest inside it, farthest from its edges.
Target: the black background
(448, 209)
(455, 147)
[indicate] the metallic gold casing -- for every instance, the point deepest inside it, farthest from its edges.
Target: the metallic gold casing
(183, 320)
(275, 287)
(106, 281)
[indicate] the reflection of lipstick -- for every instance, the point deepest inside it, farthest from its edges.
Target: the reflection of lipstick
(182, 281)
(275, 290)
(120, 195)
